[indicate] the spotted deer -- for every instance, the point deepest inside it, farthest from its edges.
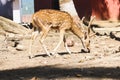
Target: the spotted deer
(45, 20)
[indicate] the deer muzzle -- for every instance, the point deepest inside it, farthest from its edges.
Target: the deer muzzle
(87, 50)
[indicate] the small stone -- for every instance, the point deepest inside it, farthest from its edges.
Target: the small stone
(20, 48)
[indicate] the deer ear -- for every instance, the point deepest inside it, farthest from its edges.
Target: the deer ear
(85, 35)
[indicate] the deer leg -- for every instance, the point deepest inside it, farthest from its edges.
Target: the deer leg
(44, 47)
(41, 40)
(61, 40)
(33, 37)
(68, 50)
(66, 46)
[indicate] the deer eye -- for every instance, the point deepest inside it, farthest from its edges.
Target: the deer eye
(89, 41)
(85, 37)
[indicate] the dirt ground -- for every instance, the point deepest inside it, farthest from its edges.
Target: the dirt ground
(102, 63)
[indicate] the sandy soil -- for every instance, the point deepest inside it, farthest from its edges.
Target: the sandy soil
(103, 63)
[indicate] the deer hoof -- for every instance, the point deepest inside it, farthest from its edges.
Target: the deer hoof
(49, 55)
(53, 53)
(30, 57)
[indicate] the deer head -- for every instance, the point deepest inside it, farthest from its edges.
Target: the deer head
(87, 34)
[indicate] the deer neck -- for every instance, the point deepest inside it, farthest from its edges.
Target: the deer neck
(77, 31)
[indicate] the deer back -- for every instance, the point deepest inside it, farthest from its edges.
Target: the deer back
(58, 19)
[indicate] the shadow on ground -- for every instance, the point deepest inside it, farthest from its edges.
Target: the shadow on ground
(51, 72)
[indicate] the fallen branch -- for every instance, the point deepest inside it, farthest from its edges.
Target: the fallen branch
(106, 24)
(107, 29)
(11, 27)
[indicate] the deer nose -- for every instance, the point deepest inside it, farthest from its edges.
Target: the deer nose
(87, 50)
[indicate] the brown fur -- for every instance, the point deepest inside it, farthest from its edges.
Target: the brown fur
(45, 20)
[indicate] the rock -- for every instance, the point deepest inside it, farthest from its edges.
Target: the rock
(70, 43)
(20, 47)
